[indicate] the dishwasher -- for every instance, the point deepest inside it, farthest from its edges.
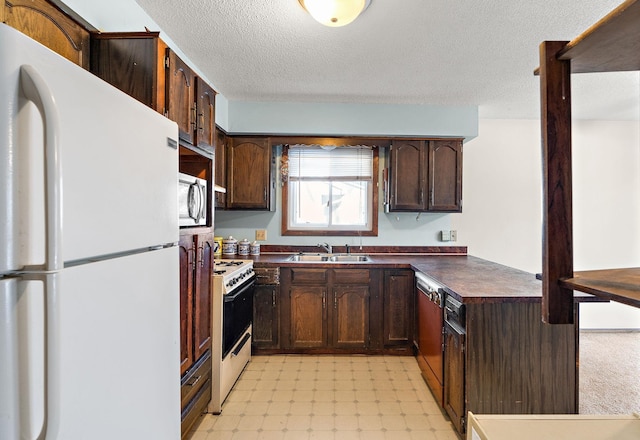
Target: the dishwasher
(455, 362)
(430, 343)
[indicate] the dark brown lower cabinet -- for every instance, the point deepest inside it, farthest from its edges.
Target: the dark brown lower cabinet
(327, 310)
(195, 392)
(509, 362)
(399, 307)
(350, 317)
(196, 269)
(308, 317)
(266, 322)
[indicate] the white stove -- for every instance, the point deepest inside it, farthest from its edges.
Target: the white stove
(230, 274)
(232, 313)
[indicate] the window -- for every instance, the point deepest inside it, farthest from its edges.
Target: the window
(330, 190)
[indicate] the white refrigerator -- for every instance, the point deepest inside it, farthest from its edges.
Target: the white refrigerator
(89, 271)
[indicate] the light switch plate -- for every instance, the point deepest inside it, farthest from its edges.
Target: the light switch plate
(261, 234)
(445, 235)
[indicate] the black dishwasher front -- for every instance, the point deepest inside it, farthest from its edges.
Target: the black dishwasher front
(454, 361)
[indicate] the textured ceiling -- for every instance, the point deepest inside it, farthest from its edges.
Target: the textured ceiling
(441, 52)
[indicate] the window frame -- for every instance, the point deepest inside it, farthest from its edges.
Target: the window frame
(373, 232)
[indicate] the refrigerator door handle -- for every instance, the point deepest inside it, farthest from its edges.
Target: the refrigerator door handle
(36, 90)
(9, 349)
(51, 357)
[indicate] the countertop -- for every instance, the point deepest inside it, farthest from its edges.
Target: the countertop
(469, 279)
(568, 427)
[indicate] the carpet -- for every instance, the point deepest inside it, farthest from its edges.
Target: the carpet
(609, 372)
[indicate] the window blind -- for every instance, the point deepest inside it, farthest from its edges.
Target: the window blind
(354, 163)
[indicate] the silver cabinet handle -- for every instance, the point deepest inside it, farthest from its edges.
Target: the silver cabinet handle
(193, 381)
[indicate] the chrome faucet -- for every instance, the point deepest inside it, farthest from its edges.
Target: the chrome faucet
(326, 247)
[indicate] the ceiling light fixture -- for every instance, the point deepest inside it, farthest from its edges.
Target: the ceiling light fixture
(335, 13)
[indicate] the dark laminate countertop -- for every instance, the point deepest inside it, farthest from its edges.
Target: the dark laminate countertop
(468, 278)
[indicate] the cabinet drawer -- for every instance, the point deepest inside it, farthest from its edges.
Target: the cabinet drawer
(309, 276)
(267, 275)
(197, 406)
(351, 276)
(194, 379)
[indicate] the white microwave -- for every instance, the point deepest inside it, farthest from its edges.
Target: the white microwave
(192, 200)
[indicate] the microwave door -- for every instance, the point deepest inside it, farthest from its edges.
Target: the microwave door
(192, 201)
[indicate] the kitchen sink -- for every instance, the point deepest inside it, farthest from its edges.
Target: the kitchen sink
(329, 258)
(348, 258)
(304, 257)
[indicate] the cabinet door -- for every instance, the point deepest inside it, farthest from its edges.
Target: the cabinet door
(408, 163)
(350, 318)
(249, 174)
(445, 176)
(180, 96)
(206, 105)
(454, 370)
(398, 307)
(132, 62)
(186, 252)
(49, 26)
(308, 316)
(265, 317)
(221, 167)
(203, 294)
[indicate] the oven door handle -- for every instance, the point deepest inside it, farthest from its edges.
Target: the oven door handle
(248, 285)
(242, 343)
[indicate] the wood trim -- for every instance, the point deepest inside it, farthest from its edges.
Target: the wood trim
(609, 45)
(279, 248)
(324, 233)
(557, 227)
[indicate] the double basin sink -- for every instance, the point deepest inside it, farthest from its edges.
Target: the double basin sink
(328, 258)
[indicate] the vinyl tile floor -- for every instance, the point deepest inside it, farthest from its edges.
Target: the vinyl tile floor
(293, 397)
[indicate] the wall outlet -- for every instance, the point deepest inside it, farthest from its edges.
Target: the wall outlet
(261, 234)
(445, 235)
(453, 235)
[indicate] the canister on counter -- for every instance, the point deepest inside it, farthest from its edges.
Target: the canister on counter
(243, 247)
(229, 246)
(217, 246)
(254, 248)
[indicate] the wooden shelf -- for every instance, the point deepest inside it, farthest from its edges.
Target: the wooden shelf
(610, 45)
(620, 285)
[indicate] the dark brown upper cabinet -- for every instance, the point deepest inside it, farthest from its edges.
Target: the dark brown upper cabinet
(141, 65)
(133, 62)
(49, 26)
(445, 176)
(206, 115)
(250, 174)
(181, 96)
(221, 167)
(425, 176)
(408, 174)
